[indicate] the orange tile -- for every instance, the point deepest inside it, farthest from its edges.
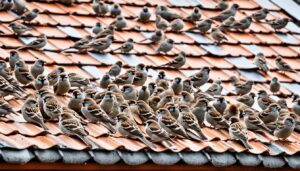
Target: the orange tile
(10, 42)
(268, 51)
(197, 62)
(236, 50)
(6, 17)
(244, 37)
(218, 62)
(67, 20)
(83, 59)
(47, 7)
(75, 9)
(268, 38)
(51, 32)
(284, 51)
(44, 19)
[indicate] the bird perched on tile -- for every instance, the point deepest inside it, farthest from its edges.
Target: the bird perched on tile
(190, 123)
(215, 119)
(194, 16)
(101, 44)
(260, 62)
(110, 30)
(97, 28)
(114, 88)
(6, 5)
(285, 128)
(220, 104)
(141, 75)
(199, 109)
(270, 114)
(296, 106)
(105, 81)
(80, 44)
(203, 26)
(119, 23)
(31, 113)
(253, 122)
(129, 93)
(51, 106)
(231, 111)
(100, 8)
(200, 77)
(28, 16)
(187, 85)
(260, 14)
(7, 74)
(177, 85)
(115, 10)
(22, 73)
(144, 15)
(166, 13)
(173, 109)
(275, 85)
(222, 4)
(283, 66)
(247, 99)
(115, 69)
(161, 23)
(37, 68)
(238, 132)
(278, 23)
(94, 113)
(5, 108)
(126, 78)
(129, 129)
(241, 88)
(170, 124)
(178, 61)
(63, 85)
(77, 80)
(75, 103)
(242, 24)
(53, 75)
(19, 28)
(215, 89)
(227, 13)
(143, 93)
(165, 46)
(156, 37)
(41, 82)
(217, 35)
(226, 25)
(19, 6)
(39, 43)
(107, 102)
(186, 98)
(14, 57)
(165, 100)
(177, 25)
(8, 89)
(126, 46)
(264, 100)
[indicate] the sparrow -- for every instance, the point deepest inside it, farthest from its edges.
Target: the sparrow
(144, 15)
(119, 23)
(278, 23)
(19, 6)
(115, 69)
(110, 30)
(75, 102)
(241, 88)
(186, 98)
(107, 102)
(220, 104)
(153, 102)
(199, 110)
(164, 100)
(100, 8)
(282, 103)
(51, 106)
(37, 68)
(170, 124)
(115, 10)
(187, 85)
(296, 106)
(129, 93)
(151, 87)
(260, 14)
(227, 13)
(154, 38)
(53, 75)
(97, 28)
(19, 28)
(253, 122)
(226, 25)
(90, 93)
(94, 113)
(39, 43)
(274, 85)
(161, 23)
(14, 57)
(143, 94)
(22, 73)
(242, 24)
(101, 44)
(238, 132)
(126, 78)
(285, 128)
(126, 46)
(173, 110)
(129, 129)
(105, 81)
(200, 77)
(41, 82)
(190, 123)
(217, 35)
(28, 16)
(247, 99)
(6, 5)
(43, 92)
(145, 116)
(177, 85)
(77, 80)
(31, 113)
(177, 25)
(231, 111)
(260, 62)
(143, 107)
(166, 13)
(194, 16)
(6, 108)
(264, 100)
(283, 66)
(141, 75)
(63, 85)
(80, 44)
(178, 61)
(215, 119)
(222, 4)
(203, 26)
(114, 88)
(215, 89)
(161, 76)
(270, 114)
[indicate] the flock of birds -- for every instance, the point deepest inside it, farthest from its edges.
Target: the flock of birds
(169, 109)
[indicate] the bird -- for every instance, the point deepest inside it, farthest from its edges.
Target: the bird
(19, 28)
(14, 57)
(97, 28)
(101, 44)
(283, 66)
(6, 5)
(129, 92)
(204, 26)
(144, 15)
(173, 109)
(53, 75)
(126, 46)
(274, 85)
(260, 14)
(231, 111)
(119, 23)
(51, 106)
(247, 99)
(238, 132)
(126, 78)
(177, 85)
(19, 6)
(115, 69)
(253, 122)
(39, 43)
(63, 85)
(177, 25)
(141, 75)
(143, 93)
(22, 73)
(161, 23)
(28, 16)
(241, 87)
(80, 44)
(94, 113)
(100, 8)
(105, 81)
(194, 16)
(215, 119)
(199, 110)
(165, 100)
(296, 106)
(217, 35)
(165, 46)
(31, 113)
(264, 100)
(110, 30)
(222, 4)
(226, 13)
(242, 24)
(285, 128)
(41, 82)
(115, 10)
(107, 102)
(37, 68)
(166, 13)
(75, 102)
(226, 25)
(151, 87)
(178, 61)
(6, 108)
(260, 62)
(270, 114)
(77, 80)
(278, 23)
(200, 77)
(8, 89)
(220, 104)
(154, 38)
(187, 85)
(215, 89)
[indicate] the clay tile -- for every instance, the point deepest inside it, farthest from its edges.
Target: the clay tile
(130, 144)
(284, 51)
(67, 20)
(96, 130)
(42, 142)
(125, 35)
(83, 59)
(213, 134)
(236, 146)
(16, 141)
(45, 19)
(218, 62)
(149, 26)
(6, 29)
(287, 147)
(264, 28)
(10, 42)
(218, 146)
(145, 49)
(6, 128)
(268, 38)
(197, 62)
(59, 58)
(53, 128)
(3, 54)
(52, 8)
(27, 129)
(179, 38)
(293, 76)
(107, 143)
(268, 51)
(192, 50)
(295, 137)
(60, 43)
(236, 50)
(68, 142)
(51, 32)
(193, 145)
(82, 9)
(258, 147)
(39, 55)
(6, 17)
(244, 37)
(164, 3)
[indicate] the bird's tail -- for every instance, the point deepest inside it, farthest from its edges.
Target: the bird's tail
(169, 145)
(15, 20)
(116, 49)
(111, 128)
(20, 48)
(88, 142)
(143, 40)
(246, 144)
(43, 125)
(148, 143)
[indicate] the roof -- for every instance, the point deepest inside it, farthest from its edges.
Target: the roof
(23, 142)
